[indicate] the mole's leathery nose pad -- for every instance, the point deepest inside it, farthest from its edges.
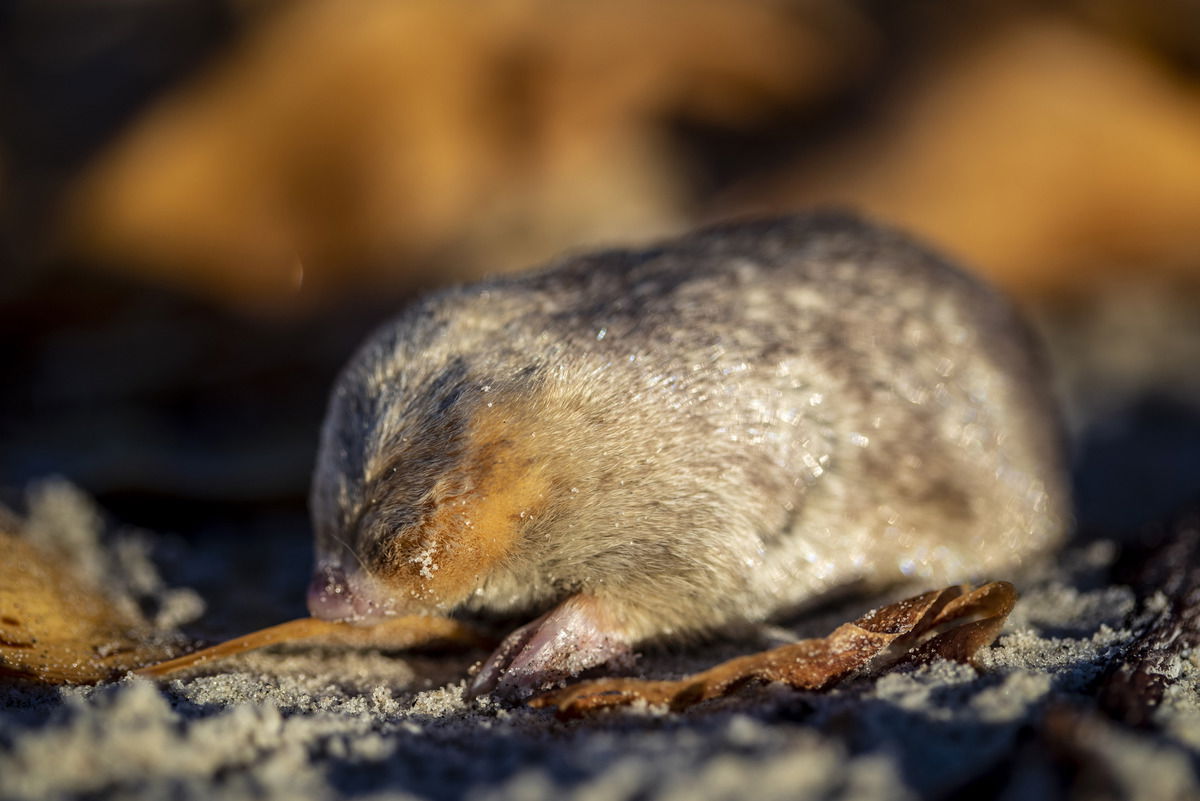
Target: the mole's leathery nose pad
(329, 596)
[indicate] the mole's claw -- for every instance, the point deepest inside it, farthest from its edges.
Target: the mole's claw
(576, 635)
(488, 677)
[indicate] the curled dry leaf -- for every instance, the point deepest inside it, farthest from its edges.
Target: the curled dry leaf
(56, 629)
(401, 632)
(817, 664)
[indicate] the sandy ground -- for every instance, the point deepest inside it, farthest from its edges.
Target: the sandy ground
(323, 723)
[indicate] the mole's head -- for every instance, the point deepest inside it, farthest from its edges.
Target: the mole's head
(421, 490)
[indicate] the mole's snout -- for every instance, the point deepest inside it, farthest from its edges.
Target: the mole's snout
(332, 595)
(329, 594)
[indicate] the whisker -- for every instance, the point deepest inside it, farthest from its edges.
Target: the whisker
(353, 552)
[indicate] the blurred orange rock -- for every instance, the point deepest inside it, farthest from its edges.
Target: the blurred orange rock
(1046, 156)
(379, 141)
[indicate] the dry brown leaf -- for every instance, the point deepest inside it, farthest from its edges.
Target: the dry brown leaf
(56, 629)
(990, 604)
(817, 664)
(397, 633)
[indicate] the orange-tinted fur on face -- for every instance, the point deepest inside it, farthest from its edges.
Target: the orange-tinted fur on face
(479, 511)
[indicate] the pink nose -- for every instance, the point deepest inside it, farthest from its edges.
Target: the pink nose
(329, 594)
(332, 596)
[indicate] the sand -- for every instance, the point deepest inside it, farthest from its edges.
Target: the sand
(325, 723)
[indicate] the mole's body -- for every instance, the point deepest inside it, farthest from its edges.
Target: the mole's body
(660, 442)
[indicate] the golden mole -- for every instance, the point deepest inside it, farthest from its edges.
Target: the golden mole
(650, 444)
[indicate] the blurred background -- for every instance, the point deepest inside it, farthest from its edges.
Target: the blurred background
(206, 204)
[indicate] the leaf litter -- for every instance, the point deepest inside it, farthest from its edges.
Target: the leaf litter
(57, 628)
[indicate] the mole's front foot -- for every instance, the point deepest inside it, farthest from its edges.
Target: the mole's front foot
(576, 635)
